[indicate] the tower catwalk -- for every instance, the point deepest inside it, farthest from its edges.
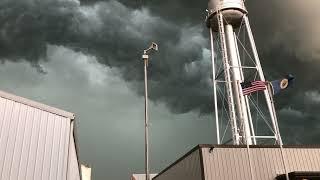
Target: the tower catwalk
(226, 20)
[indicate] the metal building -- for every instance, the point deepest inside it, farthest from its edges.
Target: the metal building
(229, 162)
(141, 176)
(36, 141)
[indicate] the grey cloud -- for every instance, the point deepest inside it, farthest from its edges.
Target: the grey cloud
(116, 35)
(109, 115)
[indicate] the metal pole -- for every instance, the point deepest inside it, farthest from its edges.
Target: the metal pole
(146, 118)
(214, 87)
(145, 57)
(246, 101)
(236, 79)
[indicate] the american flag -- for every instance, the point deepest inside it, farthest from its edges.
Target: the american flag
(254, 86)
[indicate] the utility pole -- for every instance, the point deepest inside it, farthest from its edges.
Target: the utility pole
(145, 58)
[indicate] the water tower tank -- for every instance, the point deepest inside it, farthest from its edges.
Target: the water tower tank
(232, 10)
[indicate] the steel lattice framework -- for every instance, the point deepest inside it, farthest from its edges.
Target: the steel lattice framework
(234, 60)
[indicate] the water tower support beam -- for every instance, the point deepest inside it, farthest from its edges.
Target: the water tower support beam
(241, 107)
(267, 94)
(216, 112)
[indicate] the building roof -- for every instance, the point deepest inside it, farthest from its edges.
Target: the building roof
(212, 147)
(37, 105)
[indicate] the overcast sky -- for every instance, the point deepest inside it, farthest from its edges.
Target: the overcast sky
(84, 57)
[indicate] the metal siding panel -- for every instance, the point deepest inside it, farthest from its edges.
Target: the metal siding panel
(291, 160)
(317, 159)
(61, 155)
(204, 154)
(29, 127)
(213, 158)
(41, 145)
(306, 162)
(267, 156)
(220, 164)
(207, 166)
(66, 151)
(246, 171)
(316, 156)
(277, 169)
(256, 166)
(11, 141)
(73, 166)
(3, 103)
(222, 160)
(238, 162)
(34, 143)
(302, 159)
(309, 156)
(48, 147)
(5, 133)
(263, 164)
(55, 152)
(294, 155)
(302, 163)
(18, 143)
(275, 163)
(297, 159)
(229, 163)
(266, 163)
(232, 162)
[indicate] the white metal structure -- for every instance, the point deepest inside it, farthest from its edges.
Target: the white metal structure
(226, 20)
(86, 172)
(36, 141)
(141, 176)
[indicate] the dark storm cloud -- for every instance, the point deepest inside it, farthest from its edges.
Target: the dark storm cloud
(116, 35)
(117, 32)
(287, 41)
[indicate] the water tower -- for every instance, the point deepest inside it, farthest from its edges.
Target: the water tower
(226, 20)
(235, 62)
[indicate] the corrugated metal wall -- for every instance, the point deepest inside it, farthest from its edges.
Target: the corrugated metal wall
(233, 163)
(34, 143)
(188, 168)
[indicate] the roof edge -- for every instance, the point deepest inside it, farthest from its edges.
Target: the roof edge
(177, 161)
(200, 146)
(37, 105)
(308, 146)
